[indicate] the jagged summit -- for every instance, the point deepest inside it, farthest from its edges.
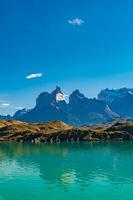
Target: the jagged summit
(109, 95)
(75, 97)
(76, 94)
(46, 99)
(57, 90)
(119, 100)
(80, 110)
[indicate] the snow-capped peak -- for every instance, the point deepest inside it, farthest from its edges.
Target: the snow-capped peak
(60, 97)
(129, 92)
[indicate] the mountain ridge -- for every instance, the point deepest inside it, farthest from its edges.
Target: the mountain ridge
(79, 110)
(120, 100)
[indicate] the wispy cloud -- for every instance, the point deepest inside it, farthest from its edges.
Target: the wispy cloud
(5, 104)
(76, 22)
(31, 76)
(9, 106)
(19, 107)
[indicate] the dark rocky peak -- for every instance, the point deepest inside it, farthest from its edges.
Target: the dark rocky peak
(111, 95)
(76, 93)
(76, 97)
(43, 100)
(125, 90)
(80, 109)
(120, 101)
(50, 99)
(57, 95)
(56, 91)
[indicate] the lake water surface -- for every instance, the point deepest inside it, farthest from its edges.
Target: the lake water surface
(66, 171)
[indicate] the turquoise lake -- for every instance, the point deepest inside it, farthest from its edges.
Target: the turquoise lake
(87, 171)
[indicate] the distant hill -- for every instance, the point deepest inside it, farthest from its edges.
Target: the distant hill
(6, 117)
(80, 109)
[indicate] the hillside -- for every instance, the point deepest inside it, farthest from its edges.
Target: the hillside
(58, 131)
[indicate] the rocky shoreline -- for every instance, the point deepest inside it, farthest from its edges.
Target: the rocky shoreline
(57, 131)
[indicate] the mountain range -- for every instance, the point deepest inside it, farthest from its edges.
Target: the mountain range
(120, 100)
(79, 110)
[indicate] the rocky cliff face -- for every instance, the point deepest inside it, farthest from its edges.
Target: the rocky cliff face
(80, 110)
(120, 101)
(87, 110)
(48, 108)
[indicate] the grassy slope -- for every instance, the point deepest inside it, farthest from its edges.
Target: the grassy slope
(59, 131)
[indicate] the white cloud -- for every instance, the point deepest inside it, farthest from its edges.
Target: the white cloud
(5, 104)
(76, 22)
(19, 107)
(31, 76)
(9, 106)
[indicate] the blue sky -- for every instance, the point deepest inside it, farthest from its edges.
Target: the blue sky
(72, 43)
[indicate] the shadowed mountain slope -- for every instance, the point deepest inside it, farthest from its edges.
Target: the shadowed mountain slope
(80, 109)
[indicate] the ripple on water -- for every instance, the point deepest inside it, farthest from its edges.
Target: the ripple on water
(85, 170)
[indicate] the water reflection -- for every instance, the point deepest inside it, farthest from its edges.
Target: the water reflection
(67, 164)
